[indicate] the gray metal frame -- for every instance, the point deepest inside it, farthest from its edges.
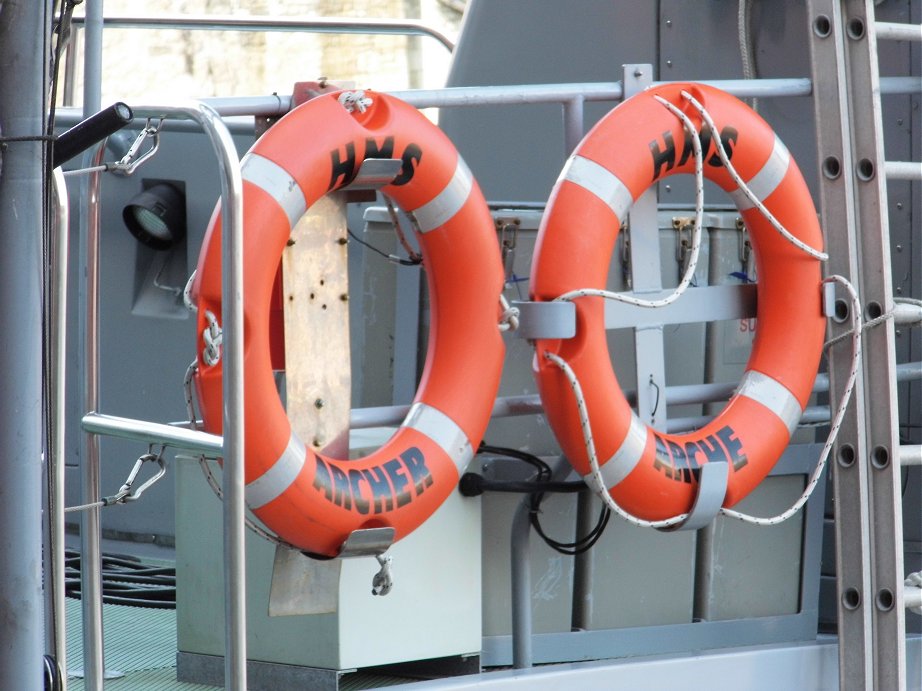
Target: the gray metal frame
(873, 487)
(232, 442)
(869, 544)
(599, 644)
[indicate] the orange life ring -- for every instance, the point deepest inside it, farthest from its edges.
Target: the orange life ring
(650, 474)
(312, 501)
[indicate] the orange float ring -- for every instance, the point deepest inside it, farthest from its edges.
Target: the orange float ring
(653, 475)
(310, 500)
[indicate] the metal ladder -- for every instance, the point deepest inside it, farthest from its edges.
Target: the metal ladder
(868, 457)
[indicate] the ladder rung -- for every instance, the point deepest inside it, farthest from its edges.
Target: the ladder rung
(898, 32)
(911, 454)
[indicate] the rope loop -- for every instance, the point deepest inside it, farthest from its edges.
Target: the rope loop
(355, 100)
(383, 581)
(509, 319)
(214, 339)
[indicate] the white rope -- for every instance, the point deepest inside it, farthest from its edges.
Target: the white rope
(696, 233)
(744, 188)
(856, 331)
(509, 320)
(603, 493)
(206, 469)
(214, 339)
(355, 100)
(600, 488)
(187, 295)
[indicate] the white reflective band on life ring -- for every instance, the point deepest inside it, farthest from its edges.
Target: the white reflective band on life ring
(767, 179)
(628, 455)
(277, 183)
(279, 477)
(443, 431)
(442, 208)
(599, 181)
(773, 395)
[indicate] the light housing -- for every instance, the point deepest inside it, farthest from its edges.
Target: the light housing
(157, 216)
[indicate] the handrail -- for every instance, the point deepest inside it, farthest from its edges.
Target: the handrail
(232, 443)
(325, 25)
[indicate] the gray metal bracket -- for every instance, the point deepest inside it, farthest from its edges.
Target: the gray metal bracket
(545, 319)
(712, 488)
(375, 173)
(367, 542)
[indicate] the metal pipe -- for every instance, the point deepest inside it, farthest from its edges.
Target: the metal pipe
(520, 573)
(153, 433)
(24, 42)
(903, 170)
(900, 85)
(92, 58)
(898, 32)
(235, 672)
(90, 547)
(572, 123)
(684, 394)
(910, 454)
(232, 317)
(328, 25)
(56, 465)
(912, 596)
(581, 608)
(590, 91)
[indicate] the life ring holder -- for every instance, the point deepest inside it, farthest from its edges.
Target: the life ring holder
(308, 500)
(676, 481)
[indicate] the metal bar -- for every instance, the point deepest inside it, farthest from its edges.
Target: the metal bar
(903, 170)
(888, 615)
(90, 548)
(900, 85)
(910, 454)
(890, 31)
(233, 439)
(56, 464)
(92, 58)
(573, 114)
(90, 538)
(912, 597)
(23, 85)
(153, 433)
(581, 608)
(683, 394)
(590, 91)
(850, 483)
(336, 25)
(233, 419)
(520, 575)
(524, 94)
(521, 94)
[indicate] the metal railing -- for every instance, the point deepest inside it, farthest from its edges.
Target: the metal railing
(571, 98)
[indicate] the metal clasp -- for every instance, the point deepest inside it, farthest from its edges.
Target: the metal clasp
(508, 238)
(126, 166)
(127, 492)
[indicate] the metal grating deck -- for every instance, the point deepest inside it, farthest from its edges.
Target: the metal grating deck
(140, 643)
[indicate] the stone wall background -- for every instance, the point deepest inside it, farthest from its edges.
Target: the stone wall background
(150, 66)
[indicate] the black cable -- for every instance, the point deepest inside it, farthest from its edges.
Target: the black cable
(126, 581)
(476, 484)
(389, 257)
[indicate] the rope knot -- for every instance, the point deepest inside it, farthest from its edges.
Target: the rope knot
(355, 100)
